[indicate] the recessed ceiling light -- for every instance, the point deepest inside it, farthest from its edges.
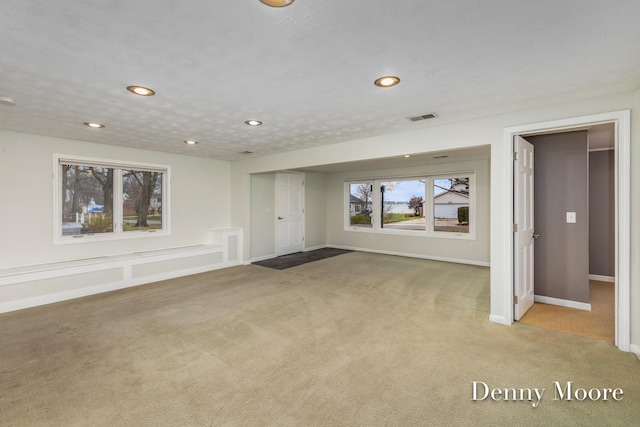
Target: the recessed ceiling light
(190, 142)
(387, 81)
(7, 100)
(277, 3)
(406, 156)
(253, 122)
(94, 125)
(141, 90)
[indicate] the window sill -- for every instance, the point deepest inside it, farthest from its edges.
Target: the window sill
(106, 237)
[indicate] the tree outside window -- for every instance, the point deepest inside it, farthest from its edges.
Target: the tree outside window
(360, 204)
(142, 200)
(401, 204)
(87, 199)
(87, 190)
(441, 205)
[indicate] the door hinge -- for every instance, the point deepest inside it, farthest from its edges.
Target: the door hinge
(515, 299)
(303, 238)
(515, 228)
(515, 155)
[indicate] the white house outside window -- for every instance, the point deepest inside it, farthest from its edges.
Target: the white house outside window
(451, 201)
(431, 205)
(360, 204)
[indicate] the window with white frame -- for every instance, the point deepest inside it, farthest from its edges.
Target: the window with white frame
(451, 206)
(430, 205)
(402, 204)
(101, 199)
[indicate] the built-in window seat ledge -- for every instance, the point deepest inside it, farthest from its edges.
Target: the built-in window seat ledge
(33, 285)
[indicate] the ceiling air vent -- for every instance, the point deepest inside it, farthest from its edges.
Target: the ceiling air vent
(423, 117)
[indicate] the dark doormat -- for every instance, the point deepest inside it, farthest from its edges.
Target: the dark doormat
(299, 258)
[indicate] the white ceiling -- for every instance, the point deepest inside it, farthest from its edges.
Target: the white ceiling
(431, 158)
(306, 70)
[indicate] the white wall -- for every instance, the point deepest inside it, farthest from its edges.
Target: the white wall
(200, 199)
(315, 200)
(263, 221)
(263, 199)
(483, 131)
(462, 250)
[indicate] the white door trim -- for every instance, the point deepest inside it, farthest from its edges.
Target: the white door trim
(622, 122)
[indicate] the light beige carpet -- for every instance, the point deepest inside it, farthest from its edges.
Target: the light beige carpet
(355, 340)
(599, 323)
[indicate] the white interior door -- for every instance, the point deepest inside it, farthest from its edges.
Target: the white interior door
(289, 213)
(523, 229)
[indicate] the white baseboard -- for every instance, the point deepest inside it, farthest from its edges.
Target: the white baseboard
(602, 278)
(262, 258)
(412, 255)
(562, 302)
(635, 350)
(499, 319)
(313, 248)
(404, 254)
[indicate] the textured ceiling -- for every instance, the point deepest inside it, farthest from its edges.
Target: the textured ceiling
(306, 70)
(434, 157)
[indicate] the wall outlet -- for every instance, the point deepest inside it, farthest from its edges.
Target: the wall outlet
(571, 217)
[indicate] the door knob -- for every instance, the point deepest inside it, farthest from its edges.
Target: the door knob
(535, 236)
(280, 217)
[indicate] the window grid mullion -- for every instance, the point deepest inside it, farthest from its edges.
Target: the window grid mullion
(117, 201)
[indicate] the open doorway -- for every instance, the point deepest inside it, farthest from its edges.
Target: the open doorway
(574, 216)
(622, 143)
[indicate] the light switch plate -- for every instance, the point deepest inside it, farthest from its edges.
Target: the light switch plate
(571, 217)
